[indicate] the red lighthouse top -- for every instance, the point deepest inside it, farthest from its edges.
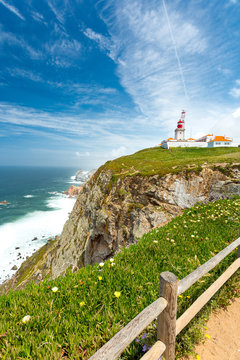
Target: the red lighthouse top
(180, 124)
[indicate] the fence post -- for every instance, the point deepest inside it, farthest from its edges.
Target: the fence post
(238, 251)
(166, 328)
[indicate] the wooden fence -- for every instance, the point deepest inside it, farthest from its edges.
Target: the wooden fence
(165, 309)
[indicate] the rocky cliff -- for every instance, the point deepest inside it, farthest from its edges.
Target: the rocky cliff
(109, 215)
(113, 212)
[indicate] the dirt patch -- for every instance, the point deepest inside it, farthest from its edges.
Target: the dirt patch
(223, 328)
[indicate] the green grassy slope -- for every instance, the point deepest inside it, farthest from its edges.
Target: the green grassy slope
(161, 161)
(84, 312)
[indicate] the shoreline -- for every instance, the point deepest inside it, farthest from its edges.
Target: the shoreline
(29, 233)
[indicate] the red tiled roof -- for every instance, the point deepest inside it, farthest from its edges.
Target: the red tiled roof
(220, 138)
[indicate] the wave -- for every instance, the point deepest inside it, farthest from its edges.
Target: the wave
(28, 196)
(30, 232)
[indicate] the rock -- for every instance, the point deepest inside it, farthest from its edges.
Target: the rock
(16, 248)
(35, 238)
(14, 267)
(73, 191)
(83, 176)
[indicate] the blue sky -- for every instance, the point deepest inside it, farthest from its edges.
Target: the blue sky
(82, 81)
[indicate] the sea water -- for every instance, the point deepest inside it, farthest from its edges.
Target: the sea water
(36, 210)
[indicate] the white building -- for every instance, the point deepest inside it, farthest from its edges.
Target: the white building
(205, 141)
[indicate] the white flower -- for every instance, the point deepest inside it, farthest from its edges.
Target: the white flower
(155, 241)
(55, 289)
(112, 264)
(101, 264)
(26, 319)
(111, 260)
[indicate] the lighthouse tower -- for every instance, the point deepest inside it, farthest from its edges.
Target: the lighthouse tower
(180, 129)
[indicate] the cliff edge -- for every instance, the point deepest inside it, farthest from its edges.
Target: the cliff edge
(128, 197)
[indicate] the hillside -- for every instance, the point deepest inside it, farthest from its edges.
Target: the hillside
(129, 196)
(74, 315)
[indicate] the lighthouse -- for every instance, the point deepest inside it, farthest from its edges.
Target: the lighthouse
(180, 129)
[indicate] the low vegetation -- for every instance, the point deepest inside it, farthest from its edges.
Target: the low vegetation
(161, 161)
(73, 316)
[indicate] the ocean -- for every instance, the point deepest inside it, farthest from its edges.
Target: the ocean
(36, 210)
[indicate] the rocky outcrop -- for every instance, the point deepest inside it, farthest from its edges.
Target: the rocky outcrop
(83, 176)
(73, 191)
(112, 213)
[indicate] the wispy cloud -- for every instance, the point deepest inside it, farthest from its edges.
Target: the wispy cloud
(235, 91)
(13, 40)
(63, 51)
(57, 9)
(140, 43)
(12, 8)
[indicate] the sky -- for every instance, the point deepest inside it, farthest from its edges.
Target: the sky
(83, 81)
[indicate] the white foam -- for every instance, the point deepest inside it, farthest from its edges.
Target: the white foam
(40, 224)
(28, 196)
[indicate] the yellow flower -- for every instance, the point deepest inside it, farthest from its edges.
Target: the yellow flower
(180, 296)
(117, 294)
(208, 336)
(100, 278)
(198, 357)
(101, 264)
(188, 296)
(82, 303)
(26, 319)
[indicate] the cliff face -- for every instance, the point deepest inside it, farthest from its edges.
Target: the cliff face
(109, 215)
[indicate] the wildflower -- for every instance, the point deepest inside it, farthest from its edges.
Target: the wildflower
(208, 336)
(55, 289)
(180, 296)
(144, 348)
(155, 241)
(117, 294)
(100, 278)
(137, 340)
(112, 264)
(101, 264)
(82, 303)
(198, 357)
(144, 336)
(111, 260)
(188, 296)
(26, 318)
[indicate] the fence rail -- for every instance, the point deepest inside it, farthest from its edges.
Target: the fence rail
(165, 309)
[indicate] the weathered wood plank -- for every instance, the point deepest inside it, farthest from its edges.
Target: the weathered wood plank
(166, 330)
(155, 352)
(238, 252)
(189, 314)
(190, 279)
(114, 347)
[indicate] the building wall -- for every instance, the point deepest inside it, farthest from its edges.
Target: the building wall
(221, 144)
(169, 144)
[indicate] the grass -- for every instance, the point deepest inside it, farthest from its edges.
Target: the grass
(84, 313)
(161, 161)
